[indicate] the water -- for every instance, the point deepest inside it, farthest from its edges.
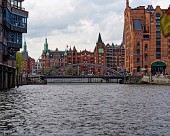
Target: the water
(86, 110)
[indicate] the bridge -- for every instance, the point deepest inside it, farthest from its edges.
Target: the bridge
(89, 67)
(110, 75)
(85, 79)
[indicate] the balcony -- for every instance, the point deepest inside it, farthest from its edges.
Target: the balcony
(15, 22)
(19, 11)
(15, 6)
(19, 29)
(14, 45)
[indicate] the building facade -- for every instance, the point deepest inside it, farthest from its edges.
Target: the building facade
(53, 58)
(147, 51)
(28, 63)
(84, 62)
(115, 57)
(13, 22)
(100, 55)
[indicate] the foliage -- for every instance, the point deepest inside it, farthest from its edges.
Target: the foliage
(71, 70)
(18, 61)
(43, 71)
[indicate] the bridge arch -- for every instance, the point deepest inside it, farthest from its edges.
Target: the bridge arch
(114, 72)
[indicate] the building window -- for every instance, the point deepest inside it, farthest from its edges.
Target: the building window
(146, 47)
(138, 68)
(158, 56)
(158, 49)
(168, 40)
(138, 60)
(158, 36)
(138, 51)
(138, 47)
(146, 56)
(138, 44)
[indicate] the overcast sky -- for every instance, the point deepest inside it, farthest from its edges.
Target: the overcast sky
(77, 22)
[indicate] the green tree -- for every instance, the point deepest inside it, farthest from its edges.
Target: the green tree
(18, 61)
(70, 70)
(18, 65)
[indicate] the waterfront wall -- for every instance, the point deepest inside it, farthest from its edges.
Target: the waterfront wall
(156, 80)
(7, 77)
(82, 80)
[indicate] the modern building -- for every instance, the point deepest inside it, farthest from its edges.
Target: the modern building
(146, 49)
(13, 22)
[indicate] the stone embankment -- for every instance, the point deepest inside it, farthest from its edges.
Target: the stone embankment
(34, 81)
(160, 80)
(133, 80)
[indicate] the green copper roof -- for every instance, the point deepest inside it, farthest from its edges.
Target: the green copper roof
(65, 53)
(25, 46)
(46, 45)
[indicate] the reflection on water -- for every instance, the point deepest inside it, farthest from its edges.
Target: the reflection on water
(92, 110)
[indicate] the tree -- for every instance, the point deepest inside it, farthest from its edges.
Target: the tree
(18, 65)
(70, 70)
(18, 61)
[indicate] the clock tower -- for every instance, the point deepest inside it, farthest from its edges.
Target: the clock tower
(99, 55)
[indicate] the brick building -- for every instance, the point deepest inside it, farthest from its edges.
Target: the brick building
(99, 55)
(115, 57)
(146, 49)
(51, 59)
(28, 63)
(84, 61)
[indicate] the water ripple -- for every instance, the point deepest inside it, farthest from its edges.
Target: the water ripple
(86, 110)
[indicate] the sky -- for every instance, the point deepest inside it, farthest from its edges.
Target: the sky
(77, 22)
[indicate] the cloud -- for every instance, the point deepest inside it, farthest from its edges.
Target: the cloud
(76, 22)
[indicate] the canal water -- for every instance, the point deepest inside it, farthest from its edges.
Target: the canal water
(86, 110)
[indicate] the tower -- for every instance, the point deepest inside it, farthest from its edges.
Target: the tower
(127, 3)
(46, 46)
(25, 47)
(99, 55)
(99, 39)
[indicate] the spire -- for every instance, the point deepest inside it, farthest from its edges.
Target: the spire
(127, 3)
(70, 49)
(46, 46)
(99, 39)
(25, 46)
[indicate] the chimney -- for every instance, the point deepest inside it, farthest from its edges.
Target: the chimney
(127, 3)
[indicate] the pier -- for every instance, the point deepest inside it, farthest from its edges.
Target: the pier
(7, 77)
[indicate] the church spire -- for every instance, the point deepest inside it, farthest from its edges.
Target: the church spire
(25, 46)
(99, 39)
(46, 46)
